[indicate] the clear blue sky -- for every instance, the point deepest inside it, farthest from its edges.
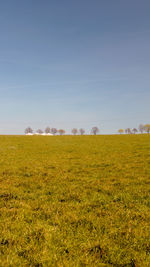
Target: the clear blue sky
(74, 64)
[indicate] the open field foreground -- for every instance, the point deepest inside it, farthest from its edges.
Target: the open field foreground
(75, 201)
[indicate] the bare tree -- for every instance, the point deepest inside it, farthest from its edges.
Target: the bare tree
(147, 128)
(95, 130)
(39, 131)
(74, 131)
(141, 128)
(53, 131)
(28, 130)
(128, 131)
(47, 130)
(134, 130)
(61, 132)
(81, 131)
(121, 131)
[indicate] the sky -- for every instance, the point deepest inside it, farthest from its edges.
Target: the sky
(72, 64)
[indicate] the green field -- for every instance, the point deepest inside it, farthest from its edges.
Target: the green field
(75, 200)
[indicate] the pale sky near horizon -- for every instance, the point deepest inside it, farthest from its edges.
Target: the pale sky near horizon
(69, 64)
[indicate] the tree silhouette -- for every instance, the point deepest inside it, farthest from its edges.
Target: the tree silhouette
(134, 130)
(128, 131)
(141, 128)
(61, 132)
(81, 131)
(28, 130)
(47, 130)
(147, 128)
(53, 131)
(74, 131)
(95, 130)
(121, 131)
(39, 131)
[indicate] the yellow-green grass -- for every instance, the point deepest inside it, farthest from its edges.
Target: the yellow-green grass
(75, 200)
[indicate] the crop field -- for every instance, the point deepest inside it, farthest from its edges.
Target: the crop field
(75, 200)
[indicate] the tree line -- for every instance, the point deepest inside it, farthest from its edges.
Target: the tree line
(142, 129)
(54, 131)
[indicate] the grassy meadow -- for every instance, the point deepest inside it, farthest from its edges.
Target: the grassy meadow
(75, 201)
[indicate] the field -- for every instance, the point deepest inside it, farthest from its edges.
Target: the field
(75, 201)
